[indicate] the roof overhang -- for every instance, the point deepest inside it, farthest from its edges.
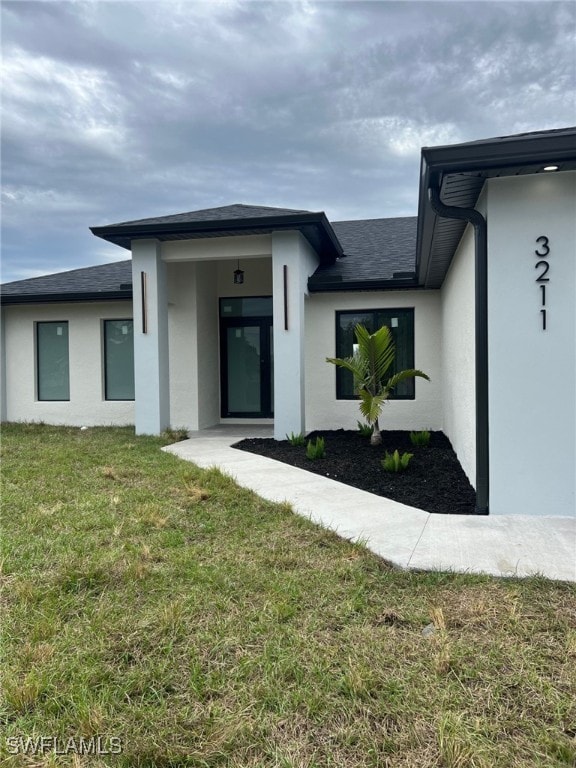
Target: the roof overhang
(315, 227)
(319, 285)
(66, 296)
(460, 171)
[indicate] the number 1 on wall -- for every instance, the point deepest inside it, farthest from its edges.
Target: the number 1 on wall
(543, 250)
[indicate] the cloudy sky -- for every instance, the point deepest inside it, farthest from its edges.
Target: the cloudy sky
(122, 110)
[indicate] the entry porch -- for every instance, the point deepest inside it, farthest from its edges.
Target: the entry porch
(219, 331)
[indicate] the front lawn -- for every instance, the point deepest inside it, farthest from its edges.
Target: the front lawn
(160, 607)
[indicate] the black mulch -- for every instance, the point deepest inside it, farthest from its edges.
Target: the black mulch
(434, 480)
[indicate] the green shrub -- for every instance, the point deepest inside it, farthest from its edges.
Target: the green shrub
(370, 366)
(365, 429)
(394, 462)
(420, 438)
(296, 439)
(315, 450)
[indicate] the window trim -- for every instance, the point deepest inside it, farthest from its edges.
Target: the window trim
(104, 360)
(408, 311)
(37, 324)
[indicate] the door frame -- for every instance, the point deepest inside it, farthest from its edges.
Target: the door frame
(266, 398)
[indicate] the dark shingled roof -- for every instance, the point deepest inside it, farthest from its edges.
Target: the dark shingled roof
(375, 250)
(227, 221)
(106, 281)
(223, 213)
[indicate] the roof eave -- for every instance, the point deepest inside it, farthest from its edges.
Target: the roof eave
(52, 298)
(508, 152)
(329, 286)
(122, 235)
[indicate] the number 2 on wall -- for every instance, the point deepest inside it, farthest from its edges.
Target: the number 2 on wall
(543, 251)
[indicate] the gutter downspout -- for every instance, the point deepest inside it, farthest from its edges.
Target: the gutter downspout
(475, 218)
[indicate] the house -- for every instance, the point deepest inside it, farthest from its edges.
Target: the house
(227, 315)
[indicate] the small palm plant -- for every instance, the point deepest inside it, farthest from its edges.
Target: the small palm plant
(370, 365)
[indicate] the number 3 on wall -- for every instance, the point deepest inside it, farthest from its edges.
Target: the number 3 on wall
(543, 251)
(544, 240)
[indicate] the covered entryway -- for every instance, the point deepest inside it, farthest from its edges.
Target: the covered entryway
(182, 266)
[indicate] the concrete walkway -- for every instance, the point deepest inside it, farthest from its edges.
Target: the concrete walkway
(514, 545)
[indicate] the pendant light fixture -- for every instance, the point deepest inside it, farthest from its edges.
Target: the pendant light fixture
(238, 275)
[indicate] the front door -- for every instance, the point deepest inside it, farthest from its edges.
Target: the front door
(246, 357)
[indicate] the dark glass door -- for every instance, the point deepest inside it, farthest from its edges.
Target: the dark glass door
(246, 361)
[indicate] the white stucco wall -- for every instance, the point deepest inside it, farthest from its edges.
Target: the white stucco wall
(458, 354)
(2, 365)
(290, 250)
(323, 410)
(218, 248)
(208, 352)
(182, 333)
(87, 406)
(257, 277)
(532, 372)
(151, 347)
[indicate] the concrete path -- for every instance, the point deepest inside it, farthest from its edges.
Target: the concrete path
(514, 545)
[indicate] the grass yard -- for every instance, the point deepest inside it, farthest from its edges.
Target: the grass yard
(156, 605)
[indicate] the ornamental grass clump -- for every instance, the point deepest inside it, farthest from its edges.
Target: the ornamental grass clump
(396, 462)
(364, 429)
(420, 438)
(370, 365)
(296, 440)
(315, 450)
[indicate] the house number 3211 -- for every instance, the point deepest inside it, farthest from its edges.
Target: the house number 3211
(542, 265)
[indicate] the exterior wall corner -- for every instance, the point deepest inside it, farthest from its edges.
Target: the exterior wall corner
(151, 356)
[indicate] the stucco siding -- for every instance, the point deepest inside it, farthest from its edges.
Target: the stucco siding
(182, 330)
(208, 356)
(458, 355)
(2, 364)
(323, 410)
(257, 278)
(87, 406)
(217, 248)
(532, 369)
(291, 330)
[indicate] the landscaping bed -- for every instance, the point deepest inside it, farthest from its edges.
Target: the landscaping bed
(434, 480)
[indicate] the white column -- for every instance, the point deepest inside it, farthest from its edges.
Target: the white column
(3, 399)
(151, 374)
(293, 261)
(532, 363)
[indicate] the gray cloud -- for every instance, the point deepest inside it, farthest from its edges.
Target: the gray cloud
(119, 110)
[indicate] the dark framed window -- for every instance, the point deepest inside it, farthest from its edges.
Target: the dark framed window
(400, 322)
(52, 361)
(246, 306)
(119, 359)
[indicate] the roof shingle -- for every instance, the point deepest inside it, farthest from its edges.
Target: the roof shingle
(374, 250)
(222, 213)
(106, 279)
